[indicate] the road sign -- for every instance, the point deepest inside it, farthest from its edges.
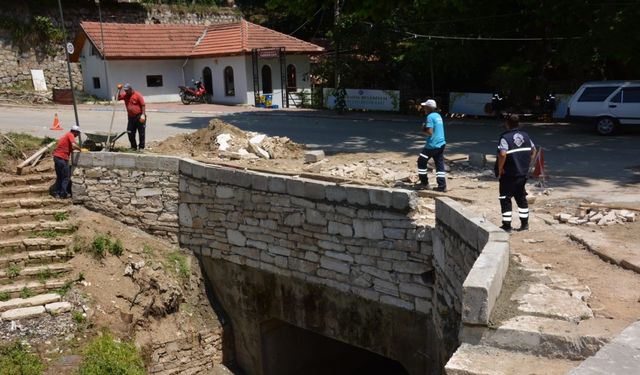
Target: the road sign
(70, 48)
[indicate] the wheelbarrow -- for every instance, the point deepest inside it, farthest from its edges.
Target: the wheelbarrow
(98, 140)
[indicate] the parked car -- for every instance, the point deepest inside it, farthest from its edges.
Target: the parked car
(607, 104)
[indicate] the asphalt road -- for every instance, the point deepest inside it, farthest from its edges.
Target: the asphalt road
(574, 154)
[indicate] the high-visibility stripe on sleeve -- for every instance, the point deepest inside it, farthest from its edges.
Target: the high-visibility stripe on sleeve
(521, 149)
(423, 156)
(502, 197)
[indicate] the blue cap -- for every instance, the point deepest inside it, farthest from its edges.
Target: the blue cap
(127, 86)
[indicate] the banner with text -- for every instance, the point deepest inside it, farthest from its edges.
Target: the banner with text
(372, 100)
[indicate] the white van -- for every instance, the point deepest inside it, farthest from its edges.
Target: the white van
(606, 103)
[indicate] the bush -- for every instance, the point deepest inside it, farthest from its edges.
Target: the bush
(61, 216)
(13, 271)
(26, 293)
(101, 242)
(4, 296)
(104, 355)
(15, 359)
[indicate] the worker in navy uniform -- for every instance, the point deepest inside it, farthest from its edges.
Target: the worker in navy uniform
(497, 103)
(515, 152)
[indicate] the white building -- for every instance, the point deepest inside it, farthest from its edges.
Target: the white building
(235, 61)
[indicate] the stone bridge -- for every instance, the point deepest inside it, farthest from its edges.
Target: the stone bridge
(312, 273)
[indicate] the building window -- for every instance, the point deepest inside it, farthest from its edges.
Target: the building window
(154, 81)
(96, 82)
(291, 77)
(95, 51)
(267, 88)
(229, 87)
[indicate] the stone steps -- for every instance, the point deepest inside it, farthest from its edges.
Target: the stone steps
(483, 360)
(14, 230)
(35, 272)
(39, 300)
(30, 179)
(20, 245)
(38, 202)
(35, 287)
(547, 337)
(31, 215)
(33, 258)
(27, 191)
(53, 308)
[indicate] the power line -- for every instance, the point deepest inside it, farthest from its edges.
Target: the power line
(306, 22)
(462, 19)
(449, 37)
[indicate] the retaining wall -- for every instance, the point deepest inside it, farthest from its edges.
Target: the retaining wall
(356, 240)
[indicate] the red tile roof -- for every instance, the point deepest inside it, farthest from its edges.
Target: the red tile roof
(162, 41)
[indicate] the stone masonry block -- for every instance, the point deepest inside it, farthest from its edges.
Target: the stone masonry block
(315, 189)
(277, 184)
(184, 166)
(357, 195)
(381, 197)
(336, 193)
(168, 164)
(368, 229)
(389, 300)
(295, 187)
(199, 170)
(126, 161)
(260, 181)
(484, 282)
(236, 237)
(404, 200)
(184, 215)
(334, 265)
(224, 192)
(103, 159)
(313, 156)
(341, 229)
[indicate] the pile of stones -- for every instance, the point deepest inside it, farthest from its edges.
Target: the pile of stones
(597, 217)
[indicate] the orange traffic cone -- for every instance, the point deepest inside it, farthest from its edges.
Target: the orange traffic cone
(538, 171)
(56, 123)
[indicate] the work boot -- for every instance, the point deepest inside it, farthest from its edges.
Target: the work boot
(420, 186)
(441, 189)
(506, 228)
(523, 227)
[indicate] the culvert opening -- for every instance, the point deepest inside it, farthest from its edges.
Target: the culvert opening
(289, 350)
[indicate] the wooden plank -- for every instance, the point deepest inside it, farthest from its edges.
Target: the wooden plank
(437, 194)
(34, 156)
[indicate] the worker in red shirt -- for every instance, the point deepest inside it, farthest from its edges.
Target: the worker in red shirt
(136, 113)
(61, 155)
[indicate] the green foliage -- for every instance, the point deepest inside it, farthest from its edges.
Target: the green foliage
(16, 359)
(24, 143)
(78, 244)
(178, 262)
(64, 289)
(46, 274)
(116, 248)
(101, 243)
(61, 216)
(4, 296)
(13, 271)
(106, 355)
(26, 293)
(36, 33)
(147, 250)
(46, 234)
(78, 317)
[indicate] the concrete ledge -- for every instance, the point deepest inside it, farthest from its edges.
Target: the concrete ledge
(482, 286)
(126, 161)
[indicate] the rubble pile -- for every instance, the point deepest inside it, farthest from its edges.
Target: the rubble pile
(223, 140)
(596, 216)
(383, 170)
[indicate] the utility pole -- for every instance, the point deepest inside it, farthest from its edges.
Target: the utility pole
(68, 50)
(336, 45)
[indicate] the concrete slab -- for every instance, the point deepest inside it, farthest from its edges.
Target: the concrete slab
(58, 307)
(481, 360)
(41, 299)
(23, 313)
(620, 357)
(541, 300)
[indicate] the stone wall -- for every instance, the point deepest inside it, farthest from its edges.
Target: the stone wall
(355, 239)
(133, 189)
(15, 64)
(355, 246)
(191, 355)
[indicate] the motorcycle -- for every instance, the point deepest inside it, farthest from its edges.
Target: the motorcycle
(196, 94)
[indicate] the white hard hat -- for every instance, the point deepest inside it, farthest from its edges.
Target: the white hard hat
(429, 103)
(75, 128)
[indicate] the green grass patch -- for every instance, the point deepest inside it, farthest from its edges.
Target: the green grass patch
(147, 250)
(107, 355)
(100, 245)
(4, 296)
(16, 359)
(46, 234)
(116, 248)
(26, 293)
(78, 317)
(61, 216)
(178, 262)
(64, 289)
(45, 275)
(13, 271)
